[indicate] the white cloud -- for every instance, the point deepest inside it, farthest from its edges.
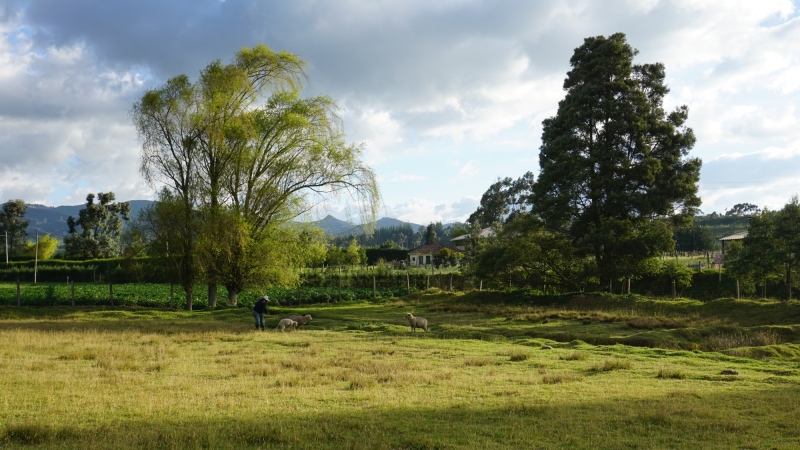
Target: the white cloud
(423, 211)
(421, 84)
(468, 171)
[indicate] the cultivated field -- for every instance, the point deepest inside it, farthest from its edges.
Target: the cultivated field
(623, 372)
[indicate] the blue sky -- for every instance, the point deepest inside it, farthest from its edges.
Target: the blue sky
(446, 96)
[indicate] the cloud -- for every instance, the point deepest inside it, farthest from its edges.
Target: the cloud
(468, 170)
(420, 83)
(423, 211)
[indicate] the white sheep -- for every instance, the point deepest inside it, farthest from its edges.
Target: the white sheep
(417, 322)
(301, 320)
(286, 323)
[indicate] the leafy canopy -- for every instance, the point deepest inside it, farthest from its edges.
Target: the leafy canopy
(97, 231)
(614, 164)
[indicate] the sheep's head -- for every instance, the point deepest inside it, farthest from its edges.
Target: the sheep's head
(409, 316)
(307, 316)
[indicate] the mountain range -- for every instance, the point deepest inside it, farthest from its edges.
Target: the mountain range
(53, 219)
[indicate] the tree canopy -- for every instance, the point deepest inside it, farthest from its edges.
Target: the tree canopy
(242, 153)
(13, 225)
(503, 200)
(100, 228)
(614, 166)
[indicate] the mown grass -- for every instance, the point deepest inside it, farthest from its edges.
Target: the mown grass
(356, 377)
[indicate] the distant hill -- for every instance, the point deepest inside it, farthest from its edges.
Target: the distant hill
(333, 226)
(336, 227)
(53, 219)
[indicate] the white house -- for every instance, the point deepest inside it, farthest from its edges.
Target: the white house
(423, 256)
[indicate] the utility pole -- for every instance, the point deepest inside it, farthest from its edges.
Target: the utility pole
(36, 259)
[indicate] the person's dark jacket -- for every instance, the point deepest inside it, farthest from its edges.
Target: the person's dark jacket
(260, 306)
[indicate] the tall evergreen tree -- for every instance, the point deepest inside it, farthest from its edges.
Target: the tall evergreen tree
(613, 163)
(430, 234)
(13, 225)
(100, 228)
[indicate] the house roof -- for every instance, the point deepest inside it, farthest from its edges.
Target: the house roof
(734, 237)
(430, 248)
(486, 232)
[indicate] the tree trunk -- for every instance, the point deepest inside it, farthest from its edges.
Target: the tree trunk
(233, 297)
(212, 295)
(189, 290)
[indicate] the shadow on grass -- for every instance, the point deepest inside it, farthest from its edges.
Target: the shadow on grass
(765, 418)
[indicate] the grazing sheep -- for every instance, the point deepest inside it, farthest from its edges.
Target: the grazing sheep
(286, 323)
(417, 322)
(301, 320)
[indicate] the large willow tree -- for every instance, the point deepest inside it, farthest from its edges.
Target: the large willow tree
(244, 154)
(614, 165)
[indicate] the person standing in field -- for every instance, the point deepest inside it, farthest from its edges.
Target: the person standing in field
(258, 311)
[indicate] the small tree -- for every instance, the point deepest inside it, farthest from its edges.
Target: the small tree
(101, 228)
(446, 257)
(14, 225)
(47, 248)
(679, 275)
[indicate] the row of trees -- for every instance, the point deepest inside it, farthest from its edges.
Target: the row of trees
(237, 155)
(770, 251)
(404, 236)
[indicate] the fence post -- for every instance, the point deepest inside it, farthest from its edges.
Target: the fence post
(111, 293)
(171, 293)
(18, 296)
(408, 284)
(481, 288)
(451, 281)
(373, 287)
(72, 290)
(299, 299)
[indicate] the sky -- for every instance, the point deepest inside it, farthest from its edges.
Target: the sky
(446, 96)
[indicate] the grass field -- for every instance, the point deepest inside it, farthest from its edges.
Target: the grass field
(621, 372)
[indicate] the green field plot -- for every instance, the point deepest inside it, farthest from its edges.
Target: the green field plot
(492, 372)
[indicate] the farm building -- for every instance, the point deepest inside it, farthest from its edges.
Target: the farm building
(460, 242)
(733, 237)
(423, 256)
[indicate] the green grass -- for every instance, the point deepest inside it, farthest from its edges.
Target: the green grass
(357, 377)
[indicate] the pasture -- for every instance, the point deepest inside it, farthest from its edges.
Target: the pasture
(621, 372)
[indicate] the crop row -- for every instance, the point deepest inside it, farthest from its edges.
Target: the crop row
(154, 295)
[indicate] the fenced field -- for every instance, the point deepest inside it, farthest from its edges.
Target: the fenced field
(493, 372)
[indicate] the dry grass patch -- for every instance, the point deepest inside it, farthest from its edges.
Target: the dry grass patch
(574, 356)
(383, 350)
(724, 341)
(557, 378)
(516, 354)
(477, 361)
(611, 364)
(669, 373)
